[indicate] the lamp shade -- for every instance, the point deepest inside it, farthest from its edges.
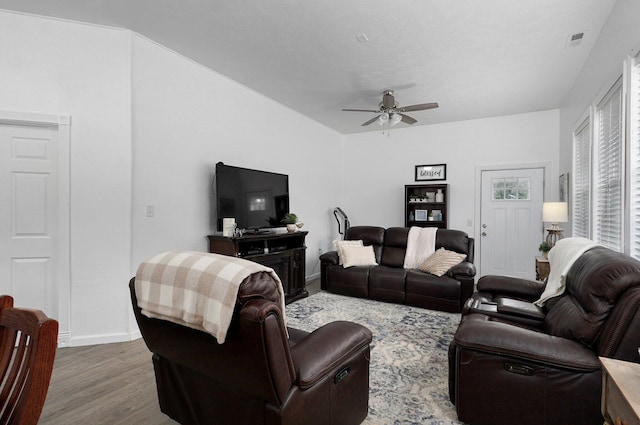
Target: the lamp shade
(555, 212)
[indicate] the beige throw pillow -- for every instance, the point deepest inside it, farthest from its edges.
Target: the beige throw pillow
(358, 256)
(441, 261)
(340, 244)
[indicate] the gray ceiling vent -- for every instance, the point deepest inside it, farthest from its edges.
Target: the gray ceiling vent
(574, 39)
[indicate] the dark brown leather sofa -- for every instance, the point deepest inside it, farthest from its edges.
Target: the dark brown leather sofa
(390, 282)
(259, 375)
(539, 366)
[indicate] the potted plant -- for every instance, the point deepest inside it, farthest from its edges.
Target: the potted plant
(290, 219)
(544, 247)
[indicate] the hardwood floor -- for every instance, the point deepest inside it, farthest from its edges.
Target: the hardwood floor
(103, 384)
(110, 384)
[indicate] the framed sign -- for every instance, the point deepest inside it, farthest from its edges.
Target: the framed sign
(431, 172)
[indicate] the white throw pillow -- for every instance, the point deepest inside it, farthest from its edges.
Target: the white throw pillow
(358, 256)
(340, 244)
(441, 261)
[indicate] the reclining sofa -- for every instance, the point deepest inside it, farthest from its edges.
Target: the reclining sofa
(389, 281)
(512, 362)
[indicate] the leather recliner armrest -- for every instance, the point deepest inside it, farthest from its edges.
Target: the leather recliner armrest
(515, 342)
(327, 348)
(465, 268)
(511, 287)
(330, 257)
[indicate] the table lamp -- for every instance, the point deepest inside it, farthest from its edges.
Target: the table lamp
(554, 213)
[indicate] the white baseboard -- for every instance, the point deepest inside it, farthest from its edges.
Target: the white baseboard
(103, 339)
(63, 339)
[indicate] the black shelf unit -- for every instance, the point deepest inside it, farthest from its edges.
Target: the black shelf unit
(421, 208)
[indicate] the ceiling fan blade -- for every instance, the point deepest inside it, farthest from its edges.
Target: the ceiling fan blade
(419, 107)
(372, 120)
(361, 110)
(407, 119)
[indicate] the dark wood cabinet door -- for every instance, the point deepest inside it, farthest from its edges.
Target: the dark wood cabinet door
(284, 253)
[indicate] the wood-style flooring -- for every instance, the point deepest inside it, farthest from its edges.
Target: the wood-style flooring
(110, 384)
(103, 384)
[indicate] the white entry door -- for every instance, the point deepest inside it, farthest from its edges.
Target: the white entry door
(28, 216)
(511, 221)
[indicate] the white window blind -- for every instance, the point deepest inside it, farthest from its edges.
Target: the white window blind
(608, 170)
(581, 200)
(634, 160)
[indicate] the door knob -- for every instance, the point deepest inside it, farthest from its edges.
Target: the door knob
(484, 234)
(484, 226)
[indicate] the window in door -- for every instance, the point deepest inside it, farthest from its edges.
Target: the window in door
(511, 188)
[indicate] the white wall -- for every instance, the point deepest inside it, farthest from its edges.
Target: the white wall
(378, 166)
(620, 36)
(50, 66)
(136, 105)
(186, 119)
(155, 144)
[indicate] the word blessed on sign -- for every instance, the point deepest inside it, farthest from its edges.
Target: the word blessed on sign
(431, 172)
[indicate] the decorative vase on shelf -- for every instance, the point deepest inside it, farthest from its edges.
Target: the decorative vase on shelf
(439, 196)
(411, 216)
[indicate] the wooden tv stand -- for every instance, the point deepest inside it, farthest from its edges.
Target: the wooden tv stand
(283, 252)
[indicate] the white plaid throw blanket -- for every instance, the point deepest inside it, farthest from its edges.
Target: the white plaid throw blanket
(195, 289)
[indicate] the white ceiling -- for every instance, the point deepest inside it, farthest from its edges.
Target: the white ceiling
(476, 58)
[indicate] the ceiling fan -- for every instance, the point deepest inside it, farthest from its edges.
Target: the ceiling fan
(390, 111)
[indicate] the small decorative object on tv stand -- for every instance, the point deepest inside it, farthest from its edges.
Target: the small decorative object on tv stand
(291, 220)
(229, 227)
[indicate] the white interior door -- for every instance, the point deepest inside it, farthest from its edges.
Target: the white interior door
(29, 216)
(511, 221)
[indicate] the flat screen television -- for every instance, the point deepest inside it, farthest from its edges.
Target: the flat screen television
(256, 199)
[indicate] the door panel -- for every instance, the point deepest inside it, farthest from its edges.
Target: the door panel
(511, 221)
(31, 281)
(30, 193)
(28, 216)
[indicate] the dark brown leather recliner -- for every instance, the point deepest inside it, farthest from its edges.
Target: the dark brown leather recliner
(512, 363)
(259, 375)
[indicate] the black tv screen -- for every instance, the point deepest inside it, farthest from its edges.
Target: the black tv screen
(256, 199)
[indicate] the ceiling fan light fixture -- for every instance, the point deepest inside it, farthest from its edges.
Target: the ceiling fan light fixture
(389, 111)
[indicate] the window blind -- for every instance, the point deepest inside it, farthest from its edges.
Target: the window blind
(580, 206)
(609, 172)
(634, 161)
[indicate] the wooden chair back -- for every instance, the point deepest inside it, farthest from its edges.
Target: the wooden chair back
(28, 342)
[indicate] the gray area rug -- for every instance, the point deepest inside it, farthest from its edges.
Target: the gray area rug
(409, 367)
